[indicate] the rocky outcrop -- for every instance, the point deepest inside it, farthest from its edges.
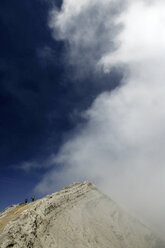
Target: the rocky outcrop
(79, 216)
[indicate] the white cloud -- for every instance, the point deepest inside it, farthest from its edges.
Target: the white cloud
(143, 38)
(89, 29)
(121, 147)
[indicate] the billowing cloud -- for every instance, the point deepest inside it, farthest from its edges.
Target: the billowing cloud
(121, 146)
(89, 29)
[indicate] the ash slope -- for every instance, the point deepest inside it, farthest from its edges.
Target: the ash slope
(79, 216)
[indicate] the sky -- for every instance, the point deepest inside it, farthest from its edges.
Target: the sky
(41, 96)
(82, 98)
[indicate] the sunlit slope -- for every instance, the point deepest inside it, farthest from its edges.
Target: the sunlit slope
(79, 216)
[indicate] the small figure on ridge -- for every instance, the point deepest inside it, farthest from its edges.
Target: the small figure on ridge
(33, 198)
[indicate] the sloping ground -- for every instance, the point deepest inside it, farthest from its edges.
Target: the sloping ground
(11, 213)
(79, 216)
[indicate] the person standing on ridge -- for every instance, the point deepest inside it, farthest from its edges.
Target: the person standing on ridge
(26, 200)
(33, 198)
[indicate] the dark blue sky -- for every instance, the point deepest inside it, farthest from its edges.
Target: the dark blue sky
(39, 94)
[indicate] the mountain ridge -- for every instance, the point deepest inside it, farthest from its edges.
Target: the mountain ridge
(77, 216)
